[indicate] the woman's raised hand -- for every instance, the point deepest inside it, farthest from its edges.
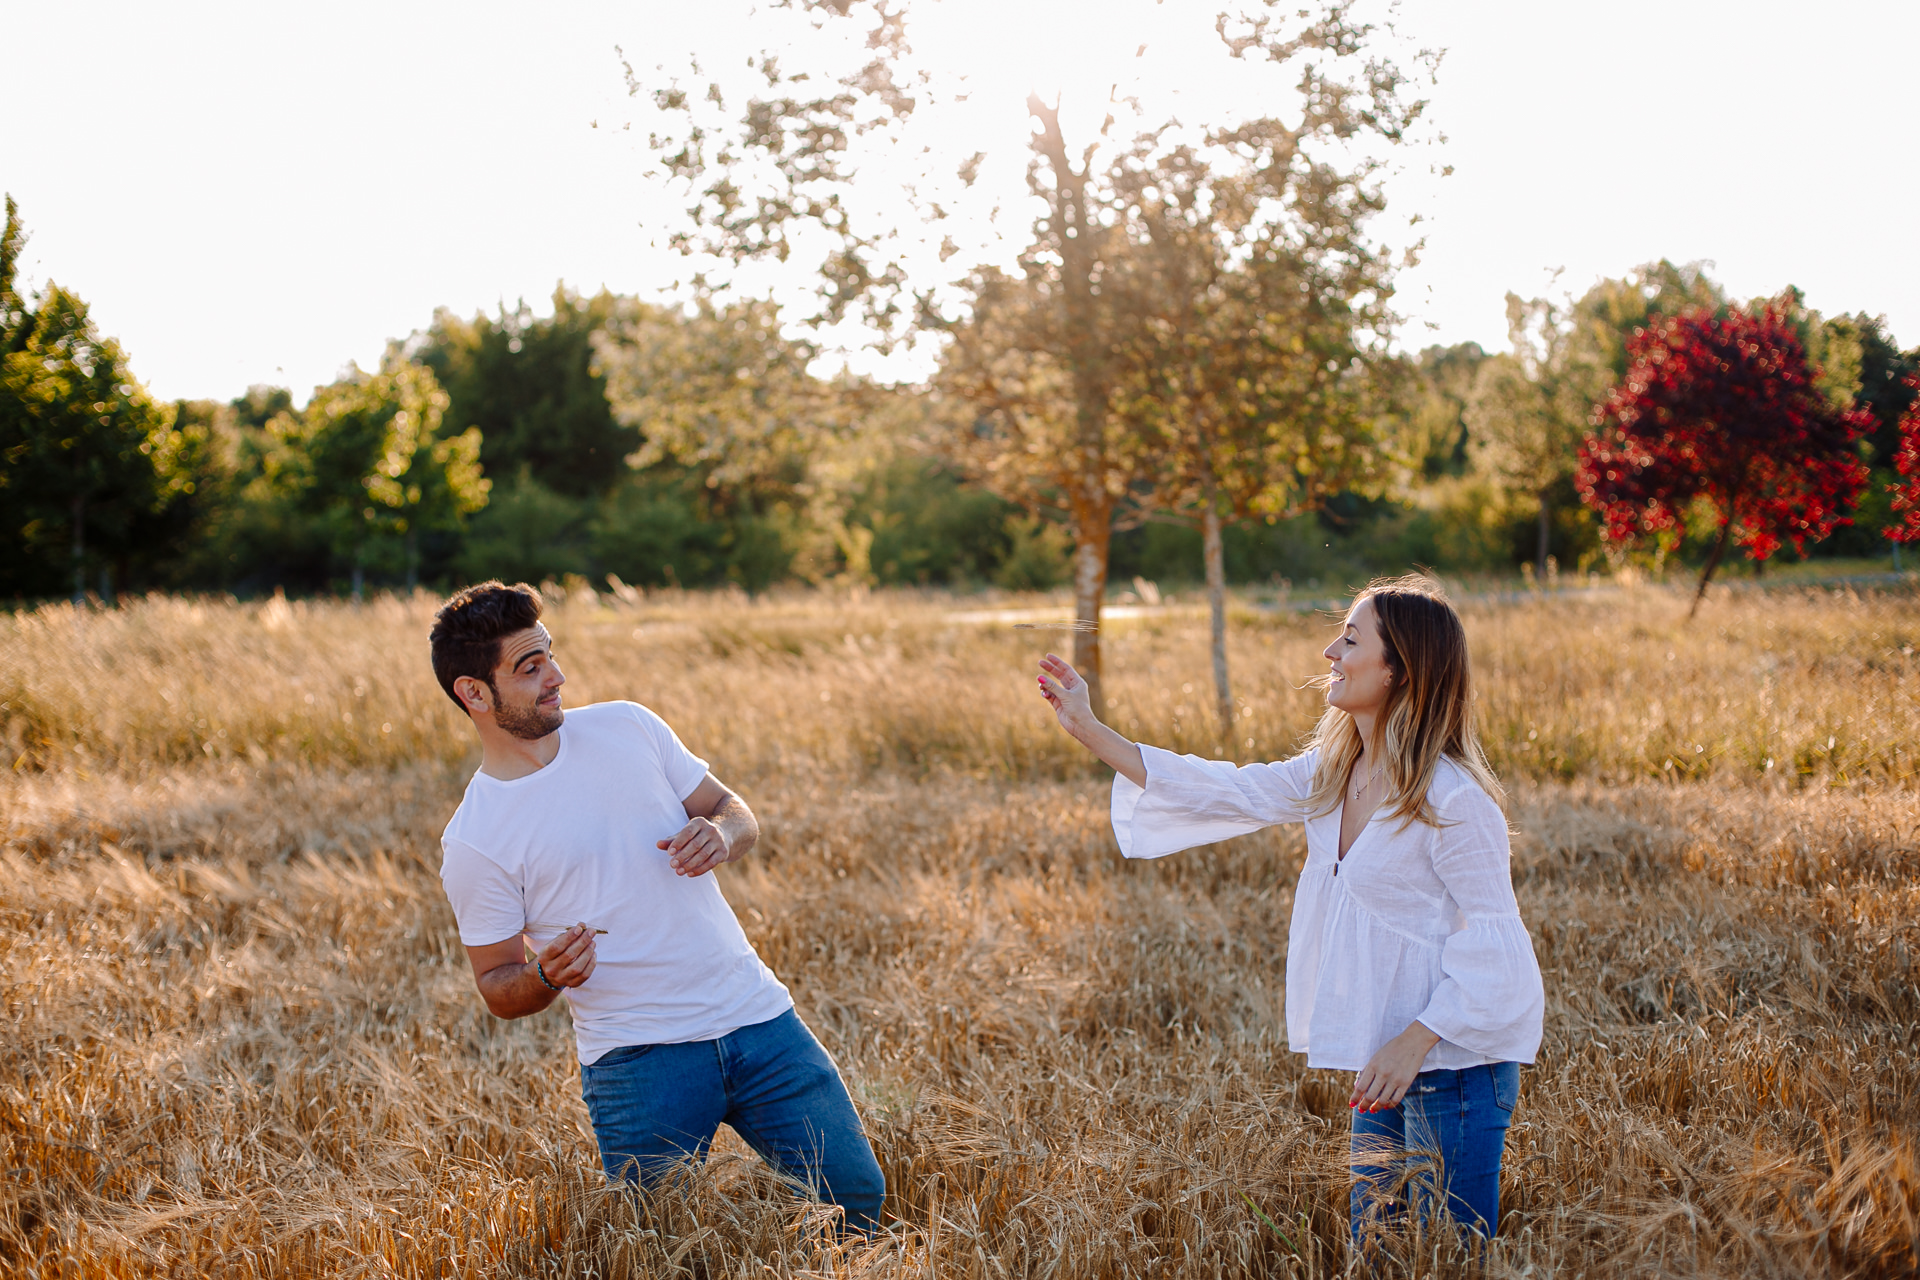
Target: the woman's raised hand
(1066, 693)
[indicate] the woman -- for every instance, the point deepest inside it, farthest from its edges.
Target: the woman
(1407, 961)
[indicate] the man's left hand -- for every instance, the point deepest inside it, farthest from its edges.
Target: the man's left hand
(697, 849)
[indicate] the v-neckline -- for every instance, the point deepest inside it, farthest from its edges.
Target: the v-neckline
(1339, 854)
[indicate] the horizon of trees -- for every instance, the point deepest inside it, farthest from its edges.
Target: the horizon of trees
(668, 448)
(662, 445)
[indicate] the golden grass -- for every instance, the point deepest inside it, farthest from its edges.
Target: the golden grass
(244, 1040)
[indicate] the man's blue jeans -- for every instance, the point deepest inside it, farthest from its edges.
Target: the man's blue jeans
(1442, 1144)
(655, 1105)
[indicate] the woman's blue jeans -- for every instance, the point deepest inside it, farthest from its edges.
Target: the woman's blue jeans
(1441, 1145)
(656, 1105)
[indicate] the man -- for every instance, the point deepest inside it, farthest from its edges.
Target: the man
(591, 835)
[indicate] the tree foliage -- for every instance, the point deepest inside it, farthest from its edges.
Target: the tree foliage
(1906, 462)
(369, 460)
(723, 390)
(1723, 410)
(1529, 409)
(531, 386)
(1247, 381)
(1887, 386)
(89, 464)
(1264, 310)
(1613, 310)
(1437, 386)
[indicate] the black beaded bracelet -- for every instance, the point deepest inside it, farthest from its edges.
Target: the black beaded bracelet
(542, 971)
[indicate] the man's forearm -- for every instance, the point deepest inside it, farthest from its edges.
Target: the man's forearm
(737, 825)
(515, 990)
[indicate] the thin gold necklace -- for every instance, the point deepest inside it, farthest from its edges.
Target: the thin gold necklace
(1358, 787)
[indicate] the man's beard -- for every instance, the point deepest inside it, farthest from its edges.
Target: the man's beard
(528, 723)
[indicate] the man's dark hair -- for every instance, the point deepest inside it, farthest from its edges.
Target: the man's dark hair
(469, 627)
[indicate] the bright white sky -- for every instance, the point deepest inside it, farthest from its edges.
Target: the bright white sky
(257, 192)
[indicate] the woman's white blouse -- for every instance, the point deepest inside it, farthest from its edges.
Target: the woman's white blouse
(1419, 922)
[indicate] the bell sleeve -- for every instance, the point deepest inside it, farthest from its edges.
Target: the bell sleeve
(1189, 801)
(1490, 998)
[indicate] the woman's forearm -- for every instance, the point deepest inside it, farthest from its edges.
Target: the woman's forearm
(1066, 693)
(1116, 751)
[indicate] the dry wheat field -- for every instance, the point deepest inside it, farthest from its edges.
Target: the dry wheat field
(242, 1038)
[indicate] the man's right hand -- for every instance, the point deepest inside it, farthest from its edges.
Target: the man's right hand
(569, 959)
(511, 985)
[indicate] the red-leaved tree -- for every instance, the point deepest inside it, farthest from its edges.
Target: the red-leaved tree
(1722, 407)
(1906, 493)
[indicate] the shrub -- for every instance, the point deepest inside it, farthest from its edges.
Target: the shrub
(1036, 555)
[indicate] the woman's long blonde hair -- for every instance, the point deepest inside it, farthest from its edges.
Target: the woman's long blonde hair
(1429, 711)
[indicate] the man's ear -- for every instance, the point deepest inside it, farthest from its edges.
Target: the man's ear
(473, 694)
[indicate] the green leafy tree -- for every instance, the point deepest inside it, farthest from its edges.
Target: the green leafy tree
(191, 540)
(533, 389)
(1530, 408)
(262, 532)
(1439, 383)
(721, 390)
(1607, 316)
(368, 459)
(259, 405)
(527, 533)
(930, 526)
(1883, 370)
(82, 445)
(724, 395)
(1858, 367)
(1252, 381)
(200, 467)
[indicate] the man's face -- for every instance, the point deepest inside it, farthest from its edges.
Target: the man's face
(526, 685)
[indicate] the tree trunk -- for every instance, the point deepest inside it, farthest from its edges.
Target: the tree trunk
(1546, 528)
(79, 522)
(359, 577)
(1713, 562)
(413, 559)
(1087, 356)
(1092, 532)
(1214, 549)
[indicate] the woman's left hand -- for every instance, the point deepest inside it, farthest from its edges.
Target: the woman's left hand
(1385, 1079)
(1066, 693)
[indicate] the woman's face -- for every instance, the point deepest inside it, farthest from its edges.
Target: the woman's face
(1360, 674)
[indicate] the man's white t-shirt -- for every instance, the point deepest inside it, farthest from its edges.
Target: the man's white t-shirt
(576, 841)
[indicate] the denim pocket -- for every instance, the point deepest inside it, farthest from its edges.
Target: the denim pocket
(619, 1057)
(1506, 1085)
